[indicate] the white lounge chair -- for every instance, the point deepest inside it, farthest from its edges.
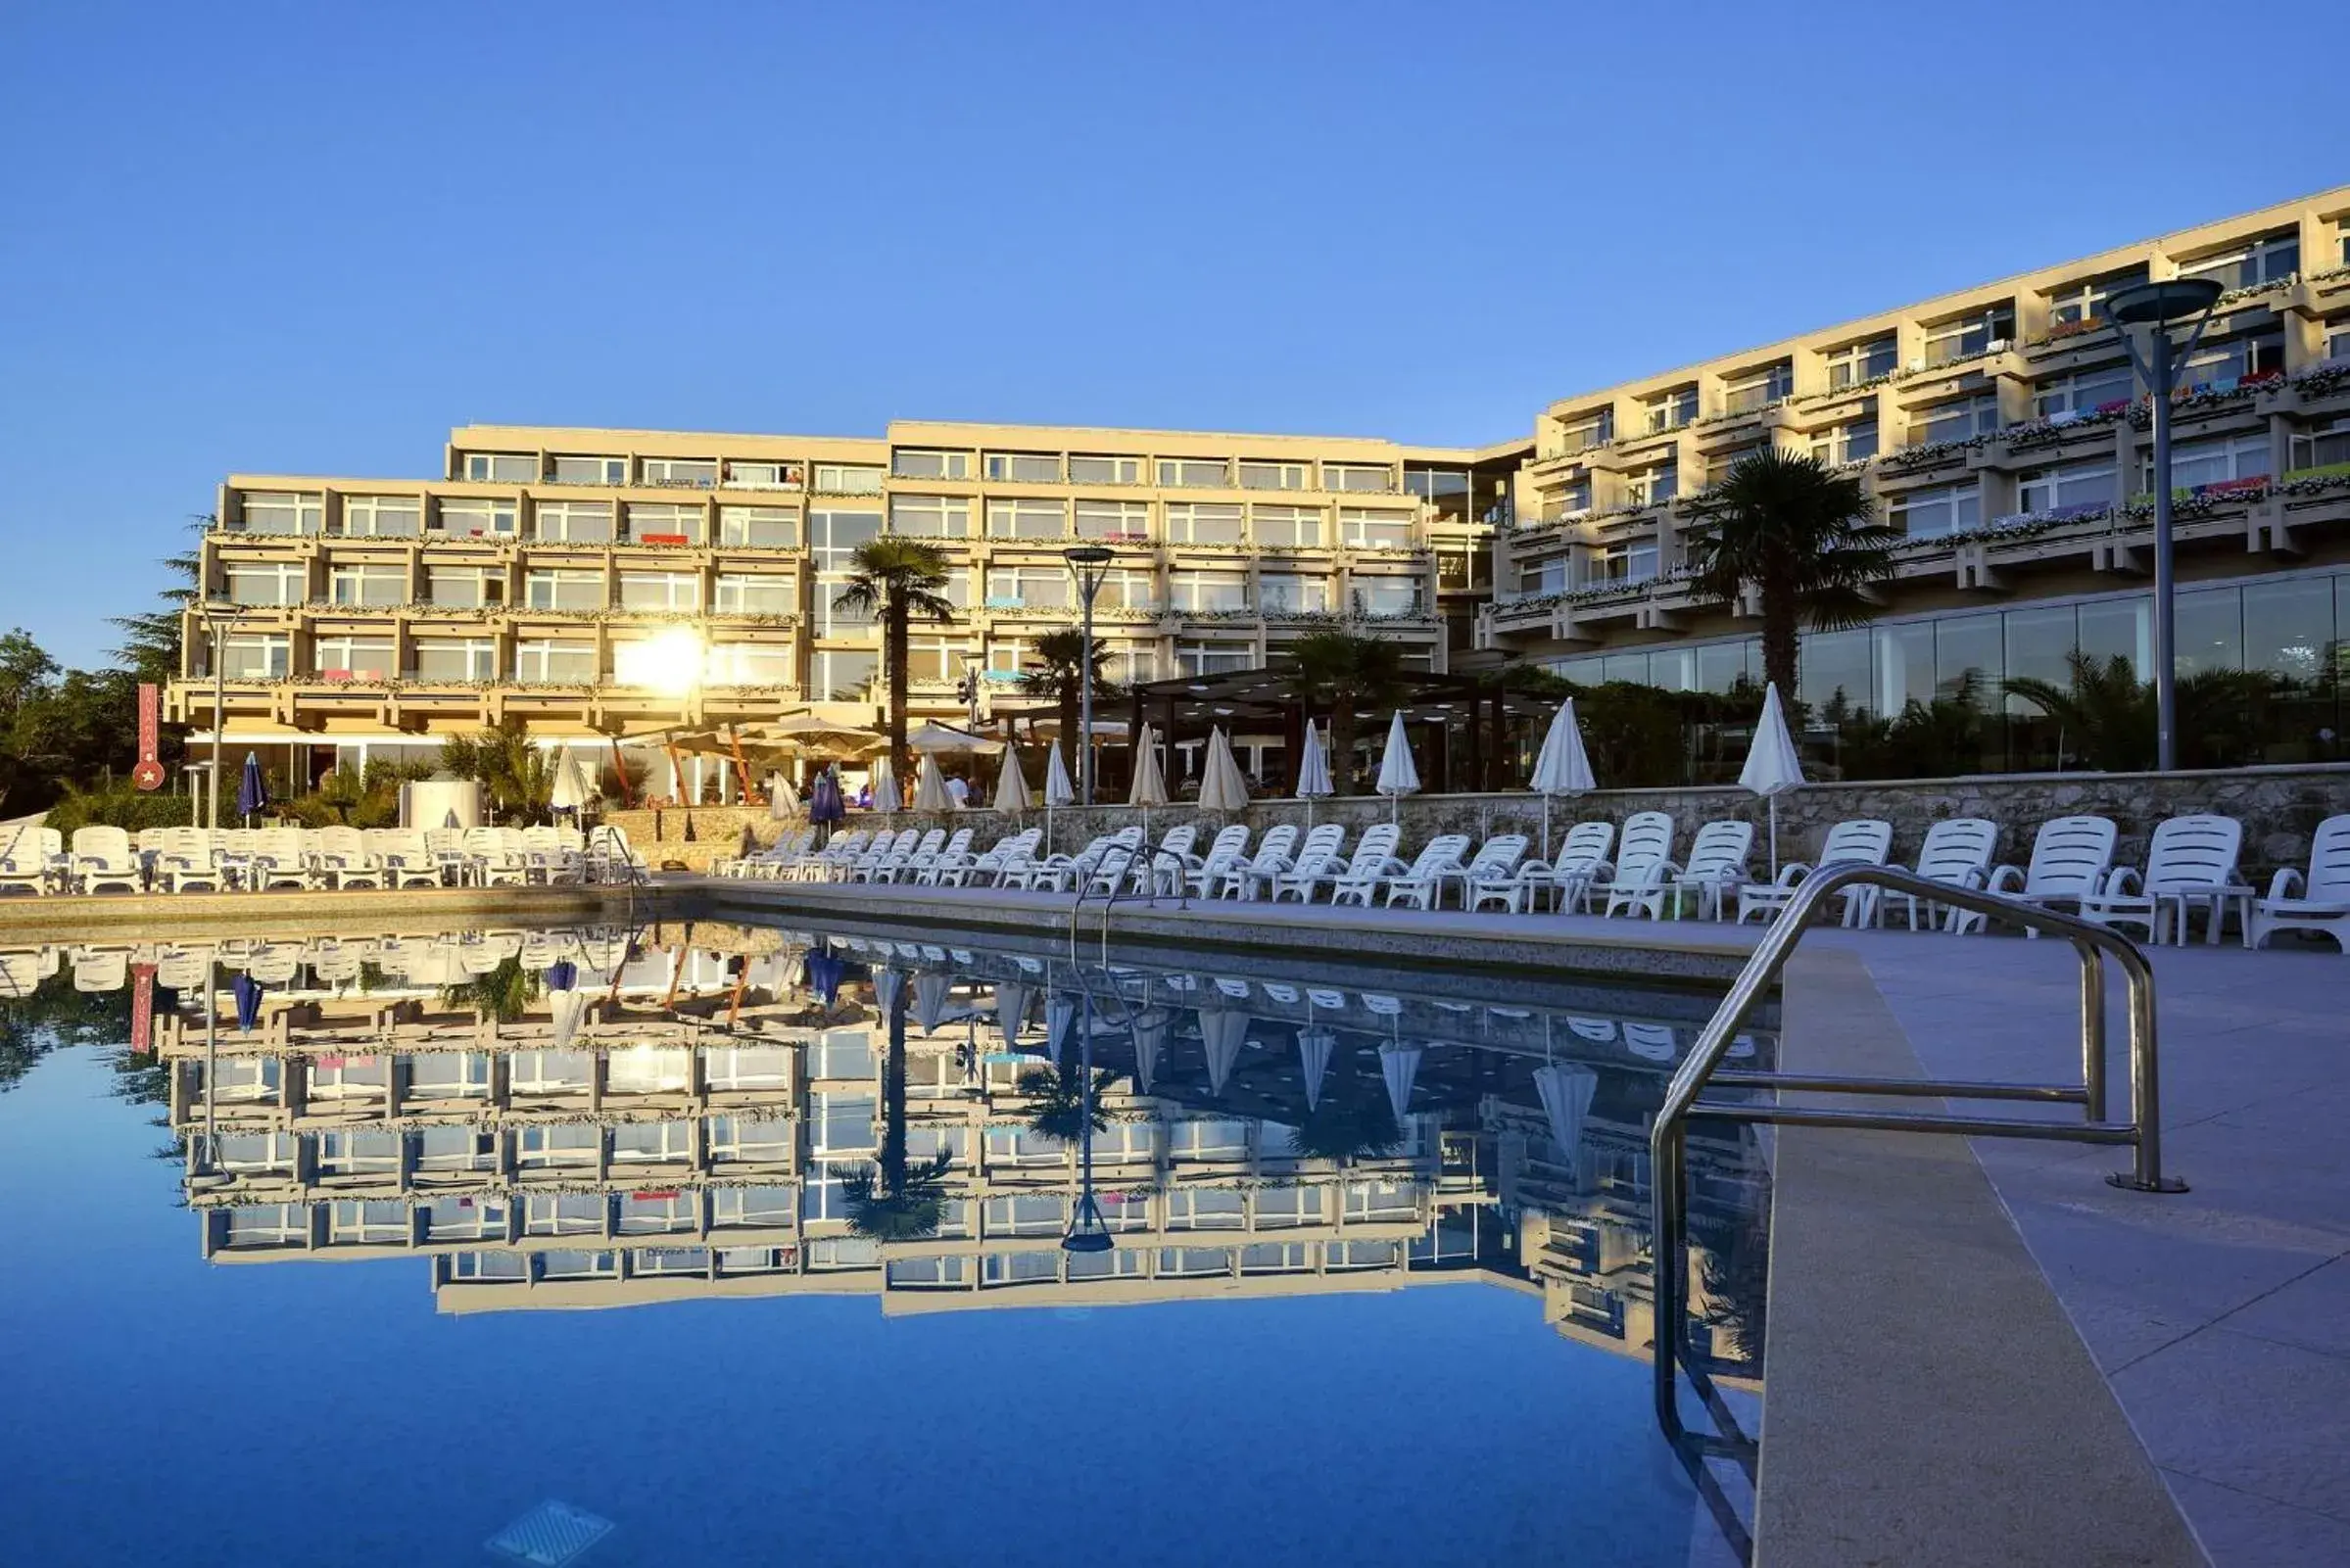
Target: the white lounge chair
(1164, 876)
(1227, 855)
(1643, 860)
(2317, 901)
(1374, 852)
(1566, 876)
(887, 867)
(1958, 852)
(1496, 857)
(2070, 857)
(919, 868)
(1363, 879)
(2190, 864)
(1277, 852)
(277, 859)
(611, 857)
(447, 847)
(344, 860)
(1716, 867)
(102, 858)
(985, 868)
(494, 857)
(181, 858)
(553, 854)
(405, 860)
(1065, 873)
(29, 856)
(1864, 841)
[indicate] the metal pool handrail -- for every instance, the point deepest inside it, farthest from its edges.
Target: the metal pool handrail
(1149, 890)
(1669, 1222)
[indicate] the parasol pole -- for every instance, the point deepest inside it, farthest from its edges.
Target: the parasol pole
(734, 740)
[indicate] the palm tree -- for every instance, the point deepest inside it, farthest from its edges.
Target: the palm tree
(895, 1198)
(898, 579)
(504, 994)
(2105, 715)
(1060, 676)
(1345, 674)
(517, 777)
(1804, 535)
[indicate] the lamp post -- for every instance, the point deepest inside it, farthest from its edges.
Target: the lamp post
(218, 613)
(2157, 305)
(1089, 1232)
(1089, 562)
(970, 687)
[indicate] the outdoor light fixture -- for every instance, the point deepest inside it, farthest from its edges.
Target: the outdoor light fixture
(217, 612)
(1089, 1232)
(2157, 305)
(1091, 563)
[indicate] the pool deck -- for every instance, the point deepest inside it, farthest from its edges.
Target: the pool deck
(2219, 1318)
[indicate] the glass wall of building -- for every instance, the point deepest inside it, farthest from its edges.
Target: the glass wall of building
(2294, 627)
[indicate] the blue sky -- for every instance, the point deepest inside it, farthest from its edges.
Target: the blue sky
(310, 239)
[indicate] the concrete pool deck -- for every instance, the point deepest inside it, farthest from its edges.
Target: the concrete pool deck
(2219, 1318)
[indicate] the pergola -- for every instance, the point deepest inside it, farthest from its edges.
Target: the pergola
(1465, 722)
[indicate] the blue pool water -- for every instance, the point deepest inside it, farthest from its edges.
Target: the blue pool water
(245, 1336)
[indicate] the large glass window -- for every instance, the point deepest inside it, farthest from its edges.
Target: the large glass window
(372, 585)
(1852, 442)
(463, 518)
(741, 475)
(684, 473)
(1373, 527)
(1960, 419)
(843, 675)
(554, 661)
(454, 658)
(2082, 304)
(1866, 361)
(2084, 392)
(1285, 527)
(909, 464)
(748, 664)
(1939, 511)
(1628, 561)
(1192, 589)
(1759, 388)
(1113, 519)
(382, 517)
(1653, 485)
(758, 527)
(1387, 595)
(1669, 411)
(1258, 475)
(1974, 333)
(2081, 484)
(930, 516)
(266, 581)
(268, 512)
(1033, 588)
(660, 523)
(2249, 266)
(1087, 469)
(584, 470)
(1204, 657)
(1027, 518)
(660, 591)
(2210, 628)
(547, 588)
(1203, 523)
(1195, 473)
(755, 594)
(2323, 443)
(1024, 467)
(347, 657)
(501, 467)
(1377, 477)
(834, 536)
(253, 656)
(2210, 463)
(1445, 488)
(1293, 594)
(848, 479)
(1584, 431)
(574, 522)
(465, 587)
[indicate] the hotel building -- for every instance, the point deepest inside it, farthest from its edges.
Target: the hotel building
(603, 583)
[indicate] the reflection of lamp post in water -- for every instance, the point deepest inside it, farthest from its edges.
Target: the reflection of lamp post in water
(2157, 305)
(1088, 1231)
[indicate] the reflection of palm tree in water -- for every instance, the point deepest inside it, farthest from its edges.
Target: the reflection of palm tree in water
(896, 1199)
(1352, 1121)
(1058, 1102)
(506, 993)
(1737, 1279)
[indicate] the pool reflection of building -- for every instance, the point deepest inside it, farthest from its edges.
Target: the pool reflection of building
(691, 1133)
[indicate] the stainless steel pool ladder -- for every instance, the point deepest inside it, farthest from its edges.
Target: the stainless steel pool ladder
(1149, 890)
(1669, 1215)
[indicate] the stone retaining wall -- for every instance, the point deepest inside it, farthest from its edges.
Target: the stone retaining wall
(2279, 808)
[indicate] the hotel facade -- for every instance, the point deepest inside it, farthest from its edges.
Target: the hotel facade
(596, 584)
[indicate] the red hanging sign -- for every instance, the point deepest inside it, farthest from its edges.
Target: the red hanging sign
(149, 771)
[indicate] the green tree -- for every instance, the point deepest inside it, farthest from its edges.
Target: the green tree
(1346, 674)
(2105, 715)
(897, 578)
(27, 679)
(896, 1199)
(1735, 1280)
(506, 993)
(517, 777)
(1804, 535)
(1059, 674)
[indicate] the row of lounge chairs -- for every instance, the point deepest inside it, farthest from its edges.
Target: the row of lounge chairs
(207, 860)
(1637, 870)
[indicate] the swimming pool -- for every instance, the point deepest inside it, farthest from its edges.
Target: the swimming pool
(1363, 1277)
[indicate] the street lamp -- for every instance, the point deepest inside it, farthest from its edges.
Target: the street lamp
(1091, 563)
(218, 613)
(2157, 305)
(1089, 1232)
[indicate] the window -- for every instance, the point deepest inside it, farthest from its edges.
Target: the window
(1669, 411)
(690, 473)
(280, 513)
(1291, 593)
(1008, 656)
(1583, 432)
(348, 657)
(268, 582)
(743, 1140)
(2084, 392)
(547, 587)
(1093, 470)
(2337, 341)
(1653, 485)
(1380, 595)
(454, 658)
(256, 656)
(1852, 442)
(501, 467)
(848, 479)
(652, 1142)
(931, 658)
(758, 527)
(957, 591)
(843, 675)
(1287, 527)
(1374, 477)
(930, 516)
(1027, 519)
(1935, 513)
(755, 594)
(1542, 576)
(1024, 467)
(1963, 336)
(2082, 484)
(909, 464)
(1960, 419)
(833, 618)
(1012, 588)
(369, 586)
(1446, 490)
(1463, 567)
(2209, 462)
(1372, 527)
(748, 664)
(2232, 360)
(474, 519)
(574, 522)
(1127, 587)
(834, 536)
(1195, 473)
(545, 661)
(763, 475)
(2083, 305)
(746, 1067)
(1632, 562)
(382, 517)
(657, 523)
(1198, 658)
(1272, 476)
(2247, 266)
(1759, 388)
(585, 470)
(1113, 519)
(1202, 522)
(1193, 591)
(465, 587)
(1855, 363)
(2325, 444)
(1575, 497)
(660, 591)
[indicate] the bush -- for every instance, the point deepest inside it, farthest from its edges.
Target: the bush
(123, 806)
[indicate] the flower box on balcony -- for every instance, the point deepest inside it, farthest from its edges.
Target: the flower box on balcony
(661, 539)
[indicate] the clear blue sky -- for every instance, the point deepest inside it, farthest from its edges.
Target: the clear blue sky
(310, 239)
